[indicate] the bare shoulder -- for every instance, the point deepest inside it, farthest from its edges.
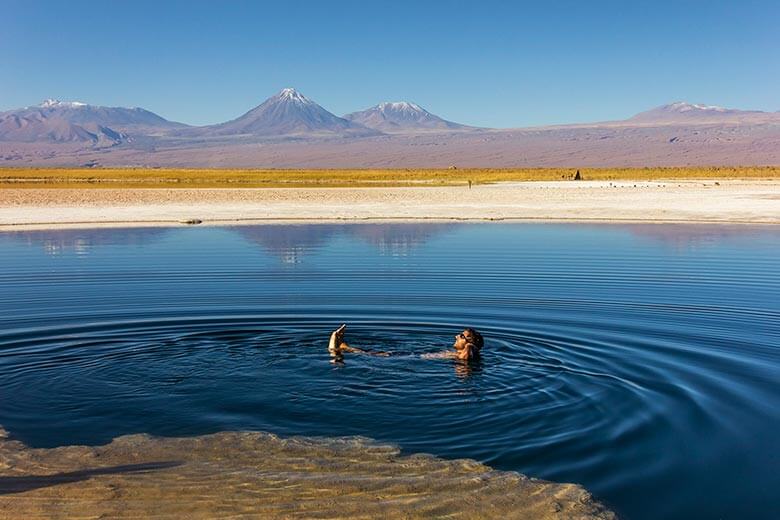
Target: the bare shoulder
(446, 354)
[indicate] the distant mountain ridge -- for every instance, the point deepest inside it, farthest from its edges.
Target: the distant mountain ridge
(291, 114)
(74, 121)
(684, 112)
(288, 113)
(285, 114)
(290, 130)
(402, 116)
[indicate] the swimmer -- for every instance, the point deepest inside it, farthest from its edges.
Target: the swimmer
(468, 345)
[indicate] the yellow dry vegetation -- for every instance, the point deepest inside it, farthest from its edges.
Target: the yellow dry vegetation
(235, 178)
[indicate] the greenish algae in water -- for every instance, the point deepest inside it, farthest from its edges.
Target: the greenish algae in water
(252, 474)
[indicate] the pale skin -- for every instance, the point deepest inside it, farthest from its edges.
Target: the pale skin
(465, 347)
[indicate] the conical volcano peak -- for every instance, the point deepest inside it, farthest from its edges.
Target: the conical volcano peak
(290, 94)
(290, 113)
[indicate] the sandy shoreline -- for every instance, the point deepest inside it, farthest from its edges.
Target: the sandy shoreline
(707, 201)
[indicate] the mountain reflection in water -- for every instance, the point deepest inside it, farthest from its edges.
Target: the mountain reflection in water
(292, 242)
(694, 236)
(81, 241)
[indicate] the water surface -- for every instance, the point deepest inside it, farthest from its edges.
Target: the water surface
(638, 360)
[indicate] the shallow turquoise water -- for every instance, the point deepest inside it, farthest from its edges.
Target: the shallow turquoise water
(638, 360)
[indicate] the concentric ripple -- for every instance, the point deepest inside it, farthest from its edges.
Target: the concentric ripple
(626, 359)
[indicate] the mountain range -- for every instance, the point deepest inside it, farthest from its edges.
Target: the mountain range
(288, 113)
(296, 131)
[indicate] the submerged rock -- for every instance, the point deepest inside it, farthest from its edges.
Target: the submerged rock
(249, 474)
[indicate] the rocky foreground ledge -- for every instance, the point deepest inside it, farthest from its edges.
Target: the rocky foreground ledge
(259, 475)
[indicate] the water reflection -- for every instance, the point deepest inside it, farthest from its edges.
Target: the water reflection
(399, 239)
(81, 241)
(465, 370)
(292, 243)
(289, 243)
(693, 237)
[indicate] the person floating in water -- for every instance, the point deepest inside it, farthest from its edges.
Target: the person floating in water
(467, 346)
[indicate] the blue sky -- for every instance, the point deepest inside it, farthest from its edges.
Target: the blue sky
(487, 63)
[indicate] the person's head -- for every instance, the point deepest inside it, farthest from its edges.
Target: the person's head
(469, 342)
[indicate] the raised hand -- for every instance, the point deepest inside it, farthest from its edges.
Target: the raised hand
(336, 339)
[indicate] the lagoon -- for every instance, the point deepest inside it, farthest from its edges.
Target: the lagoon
(641, 361)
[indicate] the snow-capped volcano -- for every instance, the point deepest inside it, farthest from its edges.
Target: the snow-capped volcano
(119, 118)
(401, 117)
(685, 112)
(74, 121)
(288, 113)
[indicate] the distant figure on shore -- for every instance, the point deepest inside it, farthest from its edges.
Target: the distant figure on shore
(577, 176)
(467, 346)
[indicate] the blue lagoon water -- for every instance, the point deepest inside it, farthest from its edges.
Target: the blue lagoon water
(641, 361)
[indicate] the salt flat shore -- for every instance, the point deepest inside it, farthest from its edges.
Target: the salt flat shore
(706, 201)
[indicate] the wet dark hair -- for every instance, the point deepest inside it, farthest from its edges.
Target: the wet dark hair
(474, 338)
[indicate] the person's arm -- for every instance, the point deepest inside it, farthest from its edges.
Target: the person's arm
(337, 340)
(337, 345)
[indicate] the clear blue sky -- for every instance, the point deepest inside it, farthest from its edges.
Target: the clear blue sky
(483, 62)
